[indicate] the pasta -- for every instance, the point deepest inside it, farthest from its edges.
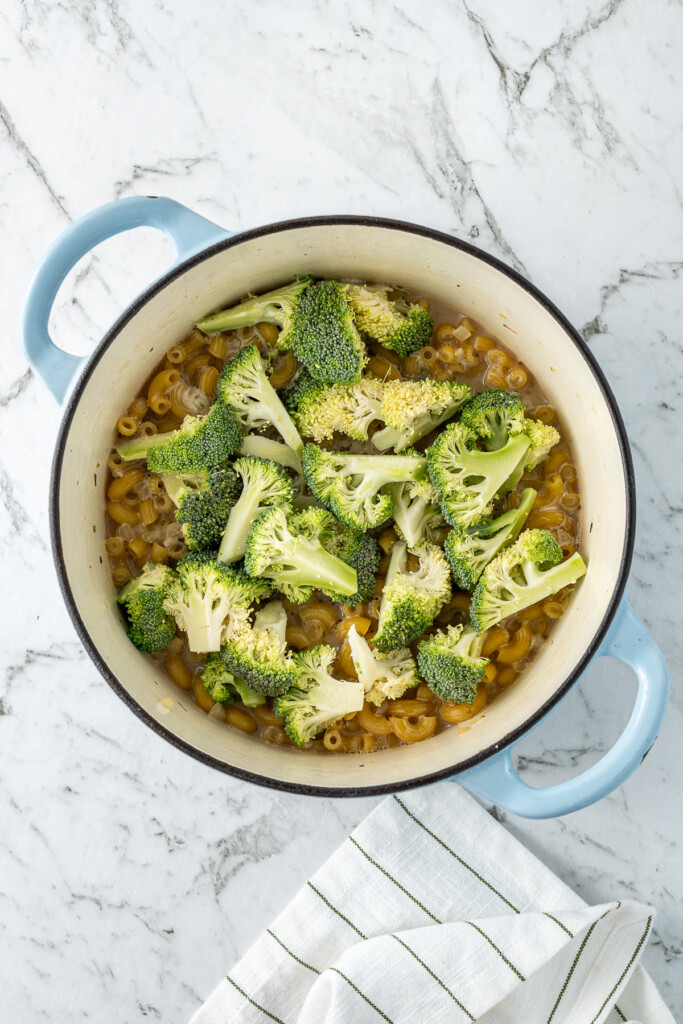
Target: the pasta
(141, 526)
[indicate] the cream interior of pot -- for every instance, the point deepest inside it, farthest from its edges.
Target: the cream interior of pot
(373, 253)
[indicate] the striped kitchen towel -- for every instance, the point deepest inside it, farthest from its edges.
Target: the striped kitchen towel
(431, 911)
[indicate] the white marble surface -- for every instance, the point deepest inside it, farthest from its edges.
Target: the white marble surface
(549, 132)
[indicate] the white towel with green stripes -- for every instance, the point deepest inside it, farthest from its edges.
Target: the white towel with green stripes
(432, 912)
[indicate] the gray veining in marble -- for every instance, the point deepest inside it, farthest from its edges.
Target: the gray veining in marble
(548, 132)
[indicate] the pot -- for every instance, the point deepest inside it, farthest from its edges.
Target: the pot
(214, 268)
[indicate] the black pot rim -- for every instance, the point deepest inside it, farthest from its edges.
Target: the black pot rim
(342, 791)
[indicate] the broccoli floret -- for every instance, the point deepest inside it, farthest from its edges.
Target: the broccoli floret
(258, 654)
(468, 478)
(203, 503)
(401, 326)
(411, 409)
(209, 599)
(543, 437)
(278, 307)
(200, 442)
(246, 390)
(416, 511)
(352, 486)
(452, 664)
(362, 553)
(224, 687)
(264, 484)
(521, 575)
(494, 415)
(317, 700)
(289, 549)
(384, 676)
(470, 550)
(411, 600)
(321, 410)
(325, 338)
(151, 628)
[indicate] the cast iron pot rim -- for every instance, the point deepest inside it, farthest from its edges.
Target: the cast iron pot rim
(329, 221)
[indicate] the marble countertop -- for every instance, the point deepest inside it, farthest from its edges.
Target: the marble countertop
(132, 877)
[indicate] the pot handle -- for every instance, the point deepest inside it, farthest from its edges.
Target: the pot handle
(628, 640)
(187, 230)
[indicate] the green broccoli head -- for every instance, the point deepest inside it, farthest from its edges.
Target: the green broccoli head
(451, 663)
(470, 550)
(199, 443)
(467, 478)
(203, 502)
(265, 484)
(244, 388)
(289, 549)
(258, 656)
(325, 409)
(325, 337)
(494, 415)
(362, 553)
(416, 511)
(521, 575)
(384, 676)
(208, 600)
(353, 487)
(411, 600)
(151, 628)
(543, 437)
(396, 324)
(224, 687)
(317, 699)
(218, 680)
(411, 409)
(277, 307)
(275, 451)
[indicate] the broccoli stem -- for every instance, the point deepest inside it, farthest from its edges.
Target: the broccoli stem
(138, 447)
(240, 521)
(281, 419)
(248, 313)
(310, 565)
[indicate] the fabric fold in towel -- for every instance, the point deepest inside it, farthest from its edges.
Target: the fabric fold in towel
(432, 911)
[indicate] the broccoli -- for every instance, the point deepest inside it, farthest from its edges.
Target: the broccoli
(289, 549)
(413, 408)
(200, 442)
(384, 676)
(258, 654)
(246, 390)
(543, 437)
(411, 600)
(521, 575)
(263, 448)
(399, 325)
(317, 699)
(325, 337)
(351, 486)
(362, 553)
(224, 687)
(248, 645)
(151, 628)
(209, 599)
(470, 550)
(203, 501)
(320, 410)
(279, 307)
(452, 664)
(468, 478)
(494, 415)
(264, 484)
(416, 511)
